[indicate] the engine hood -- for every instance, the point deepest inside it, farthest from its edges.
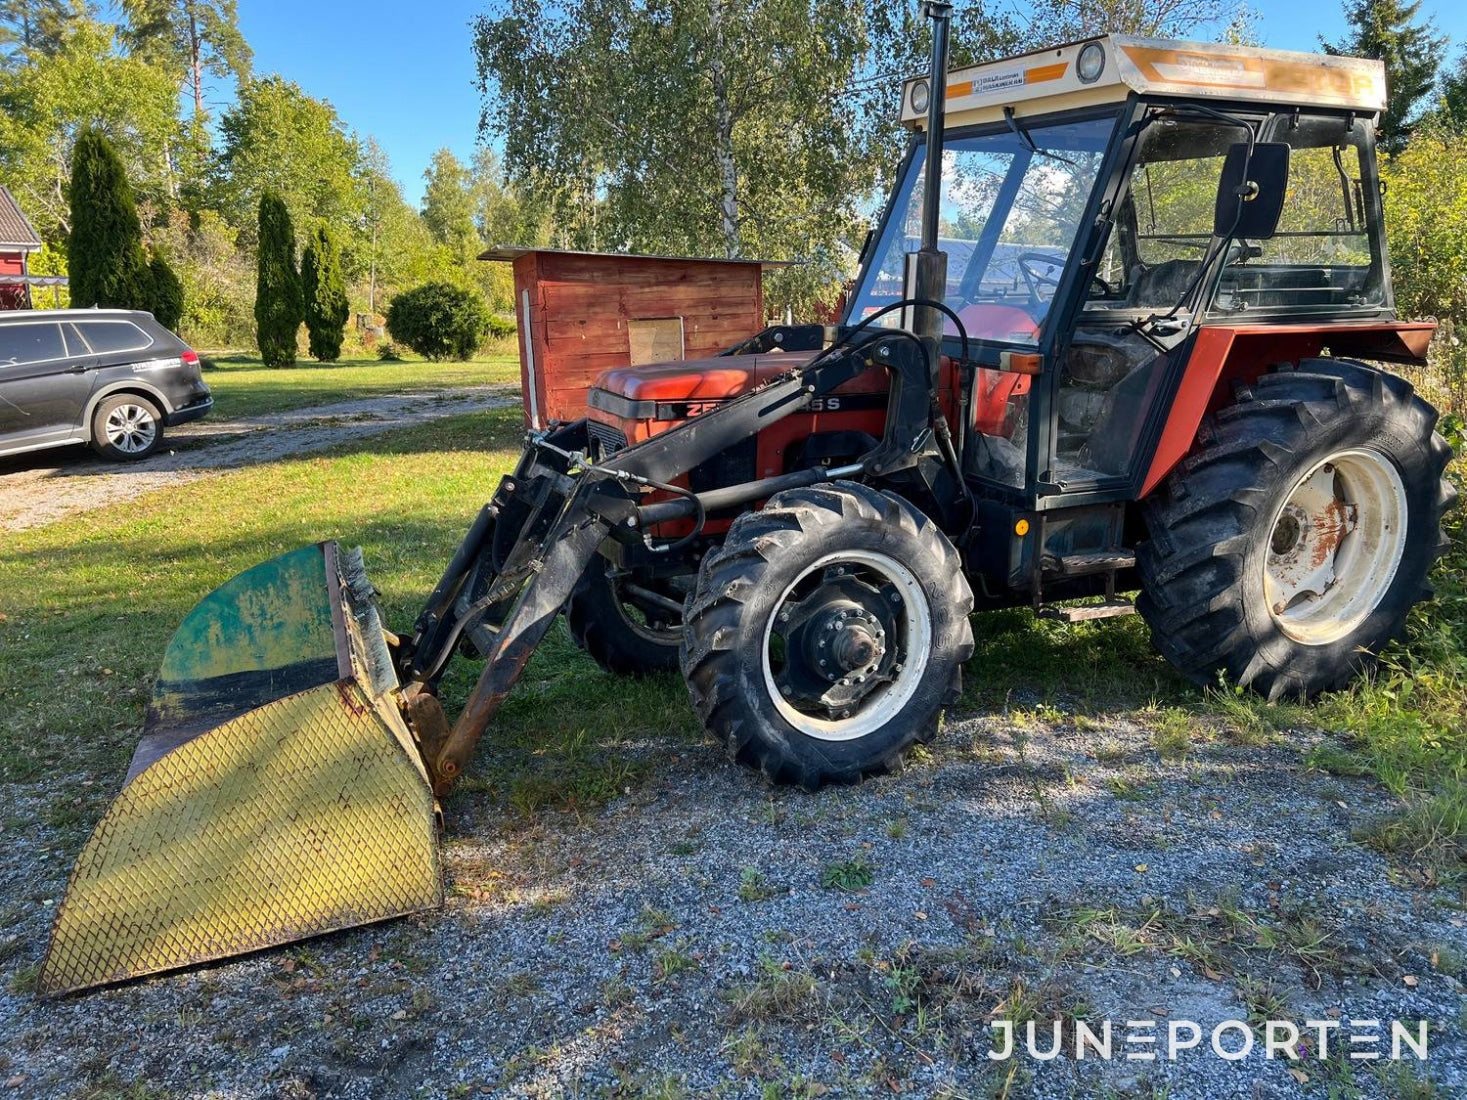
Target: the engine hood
(713, 379)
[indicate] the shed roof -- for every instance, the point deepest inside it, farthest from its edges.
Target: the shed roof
(16, 231)
(514, 252)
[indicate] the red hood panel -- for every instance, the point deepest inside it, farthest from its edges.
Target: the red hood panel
(705, 379)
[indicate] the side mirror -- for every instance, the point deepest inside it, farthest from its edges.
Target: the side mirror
(1250, 192)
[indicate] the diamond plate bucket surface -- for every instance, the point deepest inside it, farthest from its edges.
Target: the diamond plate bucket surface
(296, 816)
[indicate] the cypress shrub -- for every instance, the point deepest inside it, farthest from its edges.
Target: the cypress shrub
(277, 285)
(439, 321)
(167, 304)
(106, 264)
(323, 291)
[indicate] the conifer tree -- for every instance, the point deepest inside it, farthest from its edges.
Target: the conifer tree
(277, 285)
(323, 292)
(106, 263)
(1386, 30)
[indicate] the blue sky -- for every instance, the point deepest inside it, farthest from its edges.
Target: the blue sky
(404, 72)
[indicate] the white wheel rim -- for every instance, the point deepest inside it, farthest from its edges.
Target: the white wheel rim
(1335, 544)
(879, 708)
(131, 428)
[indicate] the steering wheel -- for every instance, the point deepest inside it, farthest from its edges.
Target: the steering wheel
(1034, 278)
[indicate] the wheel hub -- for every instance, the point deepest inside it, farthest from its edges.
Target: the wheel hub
(841, 643)
(1334, 546)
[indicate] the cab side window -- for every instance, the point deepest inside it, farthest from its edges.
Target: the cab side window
(1326, 253)
(31, 343)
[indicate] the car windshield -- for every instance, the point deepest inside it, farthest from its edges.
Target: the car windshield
(1011, 206)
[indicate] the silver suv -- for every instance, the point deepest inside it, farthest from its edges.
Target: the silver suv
(109, 377)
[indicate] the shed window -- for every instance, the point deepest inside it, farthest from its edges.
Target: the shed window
(655, 340)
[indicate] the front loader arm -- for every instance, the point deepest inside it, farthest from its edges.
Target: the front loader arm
(527, 574)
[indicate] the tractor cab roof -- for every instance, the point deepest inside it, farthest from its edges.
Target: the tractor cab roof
(1106, 70)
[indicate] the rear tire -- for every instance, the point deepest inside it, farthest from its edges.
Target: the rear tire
(1288, 550)
(126, 428)
(845, 575)
(621, 637)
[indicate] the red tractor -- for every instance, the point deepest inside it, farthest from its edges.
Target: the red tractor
(1113, 343)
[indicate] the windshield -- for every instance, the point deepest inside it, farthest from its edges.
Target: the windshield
(1008, 223)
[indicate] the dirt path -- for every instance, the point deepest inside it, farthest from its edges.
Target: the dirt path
(45, 486)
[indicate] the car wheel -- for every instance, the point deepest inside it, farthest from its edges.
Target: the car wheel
(126, 428)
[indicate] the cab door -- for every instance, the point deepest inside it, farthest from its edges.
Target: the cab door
(43, 386)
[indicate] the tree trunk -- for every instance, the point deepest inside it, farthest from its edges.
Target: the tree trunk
(196, 62)
(728, 172)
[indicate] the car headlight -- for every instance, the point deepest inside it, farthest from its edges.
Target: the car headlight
(1091, 62)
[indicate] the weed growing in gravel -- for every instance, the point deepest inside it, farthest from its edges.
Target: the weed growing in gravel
(779, 993)
(1172, 732)
(755, 887)
(670, 961)
(849, 876)
(652, 923)
(749, 1055)
(1263, 1000)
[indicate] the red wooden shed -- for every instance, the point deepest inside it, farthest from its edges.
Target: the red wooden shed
(18, 239)
(582, 313)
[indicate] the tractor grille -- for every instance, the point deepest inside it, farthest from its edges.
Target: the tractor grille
(605, 440)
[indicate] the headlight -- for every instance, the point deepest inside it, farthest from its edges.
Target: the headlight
(921, 95)
(1091, 63)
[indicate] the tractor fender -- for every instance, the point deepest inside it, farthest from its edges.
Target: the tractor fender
(1224, 355)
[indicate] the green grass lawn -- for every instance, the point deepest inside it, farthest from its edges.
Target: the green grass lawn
(243, 386)
(87, 606)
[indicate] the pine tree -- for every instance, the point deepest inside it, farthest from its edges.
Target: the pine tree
(1453, 109)
(1386, 30)
(323, 293)
(106, 263)
(167, 299)
(277, 285)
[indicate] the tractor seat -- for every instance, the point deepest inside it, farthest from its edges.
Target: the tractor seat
(1161, 286)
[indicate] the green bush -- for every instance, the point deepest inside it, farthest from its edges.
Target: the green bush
(439, 321)
(501, 327)
(323, 291)
(1426, 224)
(277, 285)
(167, 298)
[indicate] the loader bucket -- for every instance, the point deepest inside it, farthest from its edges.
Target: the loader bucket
(276, 793)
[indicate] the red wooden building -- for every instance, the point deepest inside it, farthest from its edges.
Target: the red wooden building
(582, 313)
(18, 239)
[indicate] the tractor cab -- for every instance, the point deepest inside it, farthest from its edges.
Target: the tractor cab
(1093, 230)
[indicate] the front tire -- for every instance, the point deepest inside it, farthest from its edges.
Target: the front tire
(827, 634)
(1289, 549)
(126, 428)
(625, 634)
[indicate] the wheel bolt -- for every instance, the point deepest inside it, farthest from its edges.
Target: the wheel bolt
(896, 597)
(786, 690)
(822, 664)
(784, 616)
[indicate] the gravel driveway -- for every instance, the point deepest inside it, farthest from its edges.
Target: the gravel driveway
(704, 935)
(44, 486)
